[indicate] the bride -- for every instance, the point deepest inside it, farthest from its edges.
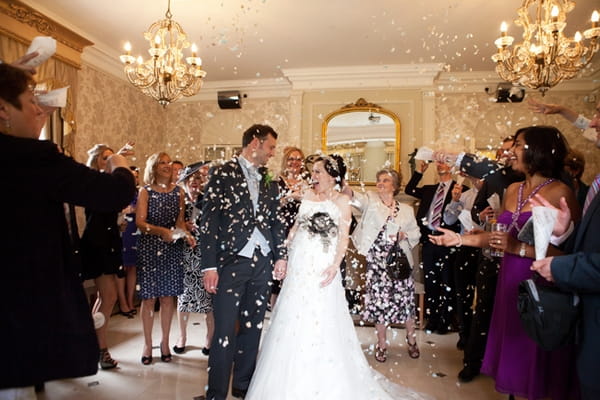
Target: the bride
(311, 350)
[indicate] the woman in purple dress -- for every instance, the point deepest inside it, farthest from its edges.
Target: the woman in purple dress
(515, 361)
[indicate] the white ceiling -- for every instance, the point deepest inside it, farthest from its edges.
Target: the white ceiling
(257, 39)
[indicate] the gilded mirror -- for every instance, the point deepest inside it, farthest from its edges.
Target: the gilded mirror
(366, 135)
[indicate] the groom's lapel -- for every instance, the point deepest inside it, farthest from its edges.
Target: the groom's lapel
(243, 185)
(594, 207)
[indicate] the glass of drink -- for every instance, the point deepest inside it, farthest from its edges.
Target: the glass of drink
(497, 227)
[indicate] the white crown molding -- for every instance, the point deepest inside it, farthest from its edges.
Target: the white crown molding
(468, 82)
(252, 89)
(256, 88)
(364, 76)
(103, 61)
(423, 76)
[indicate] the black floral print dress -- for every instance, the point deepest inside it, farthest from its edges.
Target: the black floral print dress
(386, 301)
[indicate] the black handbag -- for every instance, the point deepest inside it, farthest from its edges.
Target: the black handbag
(548, 314)
(397, 266)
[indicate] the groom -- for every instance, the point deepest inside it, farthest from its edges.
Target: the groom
(241, 236)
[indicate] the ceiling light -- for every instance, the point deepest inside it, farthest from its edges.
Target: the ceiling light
(546, 56)
(165, 76)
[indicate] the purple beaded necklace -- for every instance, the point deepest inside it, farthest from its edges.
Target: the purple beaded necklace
(521, 203)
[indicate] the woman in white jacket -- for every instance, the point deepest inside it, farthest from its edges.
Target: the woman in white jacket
(383, 220)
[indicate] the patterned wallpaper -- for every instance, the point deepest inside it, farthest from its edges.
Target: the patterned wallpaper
(194, 127)
(112, 111)
(472, 121)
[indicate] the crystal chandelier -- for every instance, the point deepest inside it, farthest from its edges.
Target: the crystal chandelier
(546, 56)
(165, 76)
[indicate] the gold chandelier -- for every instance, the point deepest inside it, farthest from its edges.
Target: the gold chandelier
(546, 56)
(165, 76)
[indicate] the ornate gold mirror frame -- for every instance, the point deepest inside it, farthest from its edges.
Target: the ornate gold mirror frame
(364, 155)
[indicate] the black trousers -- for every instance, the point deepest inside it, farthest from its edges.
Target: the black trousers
(438, 262)
(465, 266)
(242, 296)
(485, 281)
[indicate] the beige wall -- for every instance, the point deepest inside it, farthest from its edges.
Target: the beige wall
(471, 120)
(112, 111)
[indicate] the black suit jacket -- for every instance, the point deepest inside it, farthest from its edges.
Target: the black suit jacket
(580, 272)
(42, 302)
(228, 218)
(426, 193)
(494, 183)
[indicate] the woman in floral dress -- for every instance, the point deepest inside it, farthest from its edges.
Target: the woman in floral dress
(383, 221)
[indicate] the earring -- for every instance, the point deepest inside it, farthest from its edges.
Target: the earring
(7, 124)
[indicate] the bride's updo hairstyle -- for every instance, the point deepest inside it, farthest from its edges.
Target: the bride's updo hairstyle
(334, 165)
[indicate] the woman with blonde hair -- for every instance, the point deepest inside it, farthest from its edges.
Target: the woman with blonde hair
(101, 248)
(160, 219)
(293, 181)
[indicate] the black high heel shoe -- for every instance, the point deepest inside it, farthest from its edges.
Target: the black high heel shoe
(179, 350)
(146, 360)
(166, 357)
(413, 349)
(128, 314)
(106, 361)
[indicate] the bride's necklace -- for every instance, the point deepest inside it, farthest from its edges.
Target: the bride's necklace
(325, 195)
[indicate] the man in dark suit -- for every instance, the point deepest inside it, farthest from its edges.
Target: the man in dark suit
(579, 271)
(437, 260)
(486, 274)
(241, 237)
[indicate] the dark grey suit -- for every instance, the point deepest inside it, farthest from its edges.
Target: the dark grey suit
(228, 220)
(580, 272)
(437, 260)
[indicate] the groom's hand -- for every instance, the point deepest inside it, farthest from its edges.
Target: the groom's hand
(280, 269)
(211, 280)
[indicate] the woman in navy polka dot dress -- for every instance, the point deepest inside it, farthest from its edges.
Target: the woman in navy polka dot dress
(160, 219)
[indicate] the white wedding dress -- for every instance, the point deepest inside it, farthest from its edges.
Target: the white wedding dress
(310, 349)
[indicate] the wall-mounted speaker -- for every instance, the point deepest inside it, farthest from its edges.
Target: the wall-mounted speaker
(508, 93)
(229, 99)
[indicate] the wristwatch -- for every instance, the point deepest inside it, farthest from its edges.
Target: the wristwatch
(523, 249)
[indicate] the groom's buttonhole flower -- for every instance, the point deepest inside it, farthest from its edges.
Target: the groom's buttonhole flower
(267, 176)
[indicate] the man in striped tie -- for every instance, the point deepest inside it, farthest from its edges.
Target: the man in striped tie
(437, 260)
(579, 271)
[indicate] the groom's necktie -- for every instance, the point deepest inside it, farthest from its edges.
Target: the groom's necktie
(253, 184)
(592, 192)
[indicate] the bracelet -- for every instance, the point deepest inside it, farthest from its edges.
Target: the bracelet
(523, 250)
(582, 122)
(459, 237)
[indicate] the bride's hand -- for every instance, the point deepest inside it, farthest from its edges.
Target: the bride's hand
(329, 274)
